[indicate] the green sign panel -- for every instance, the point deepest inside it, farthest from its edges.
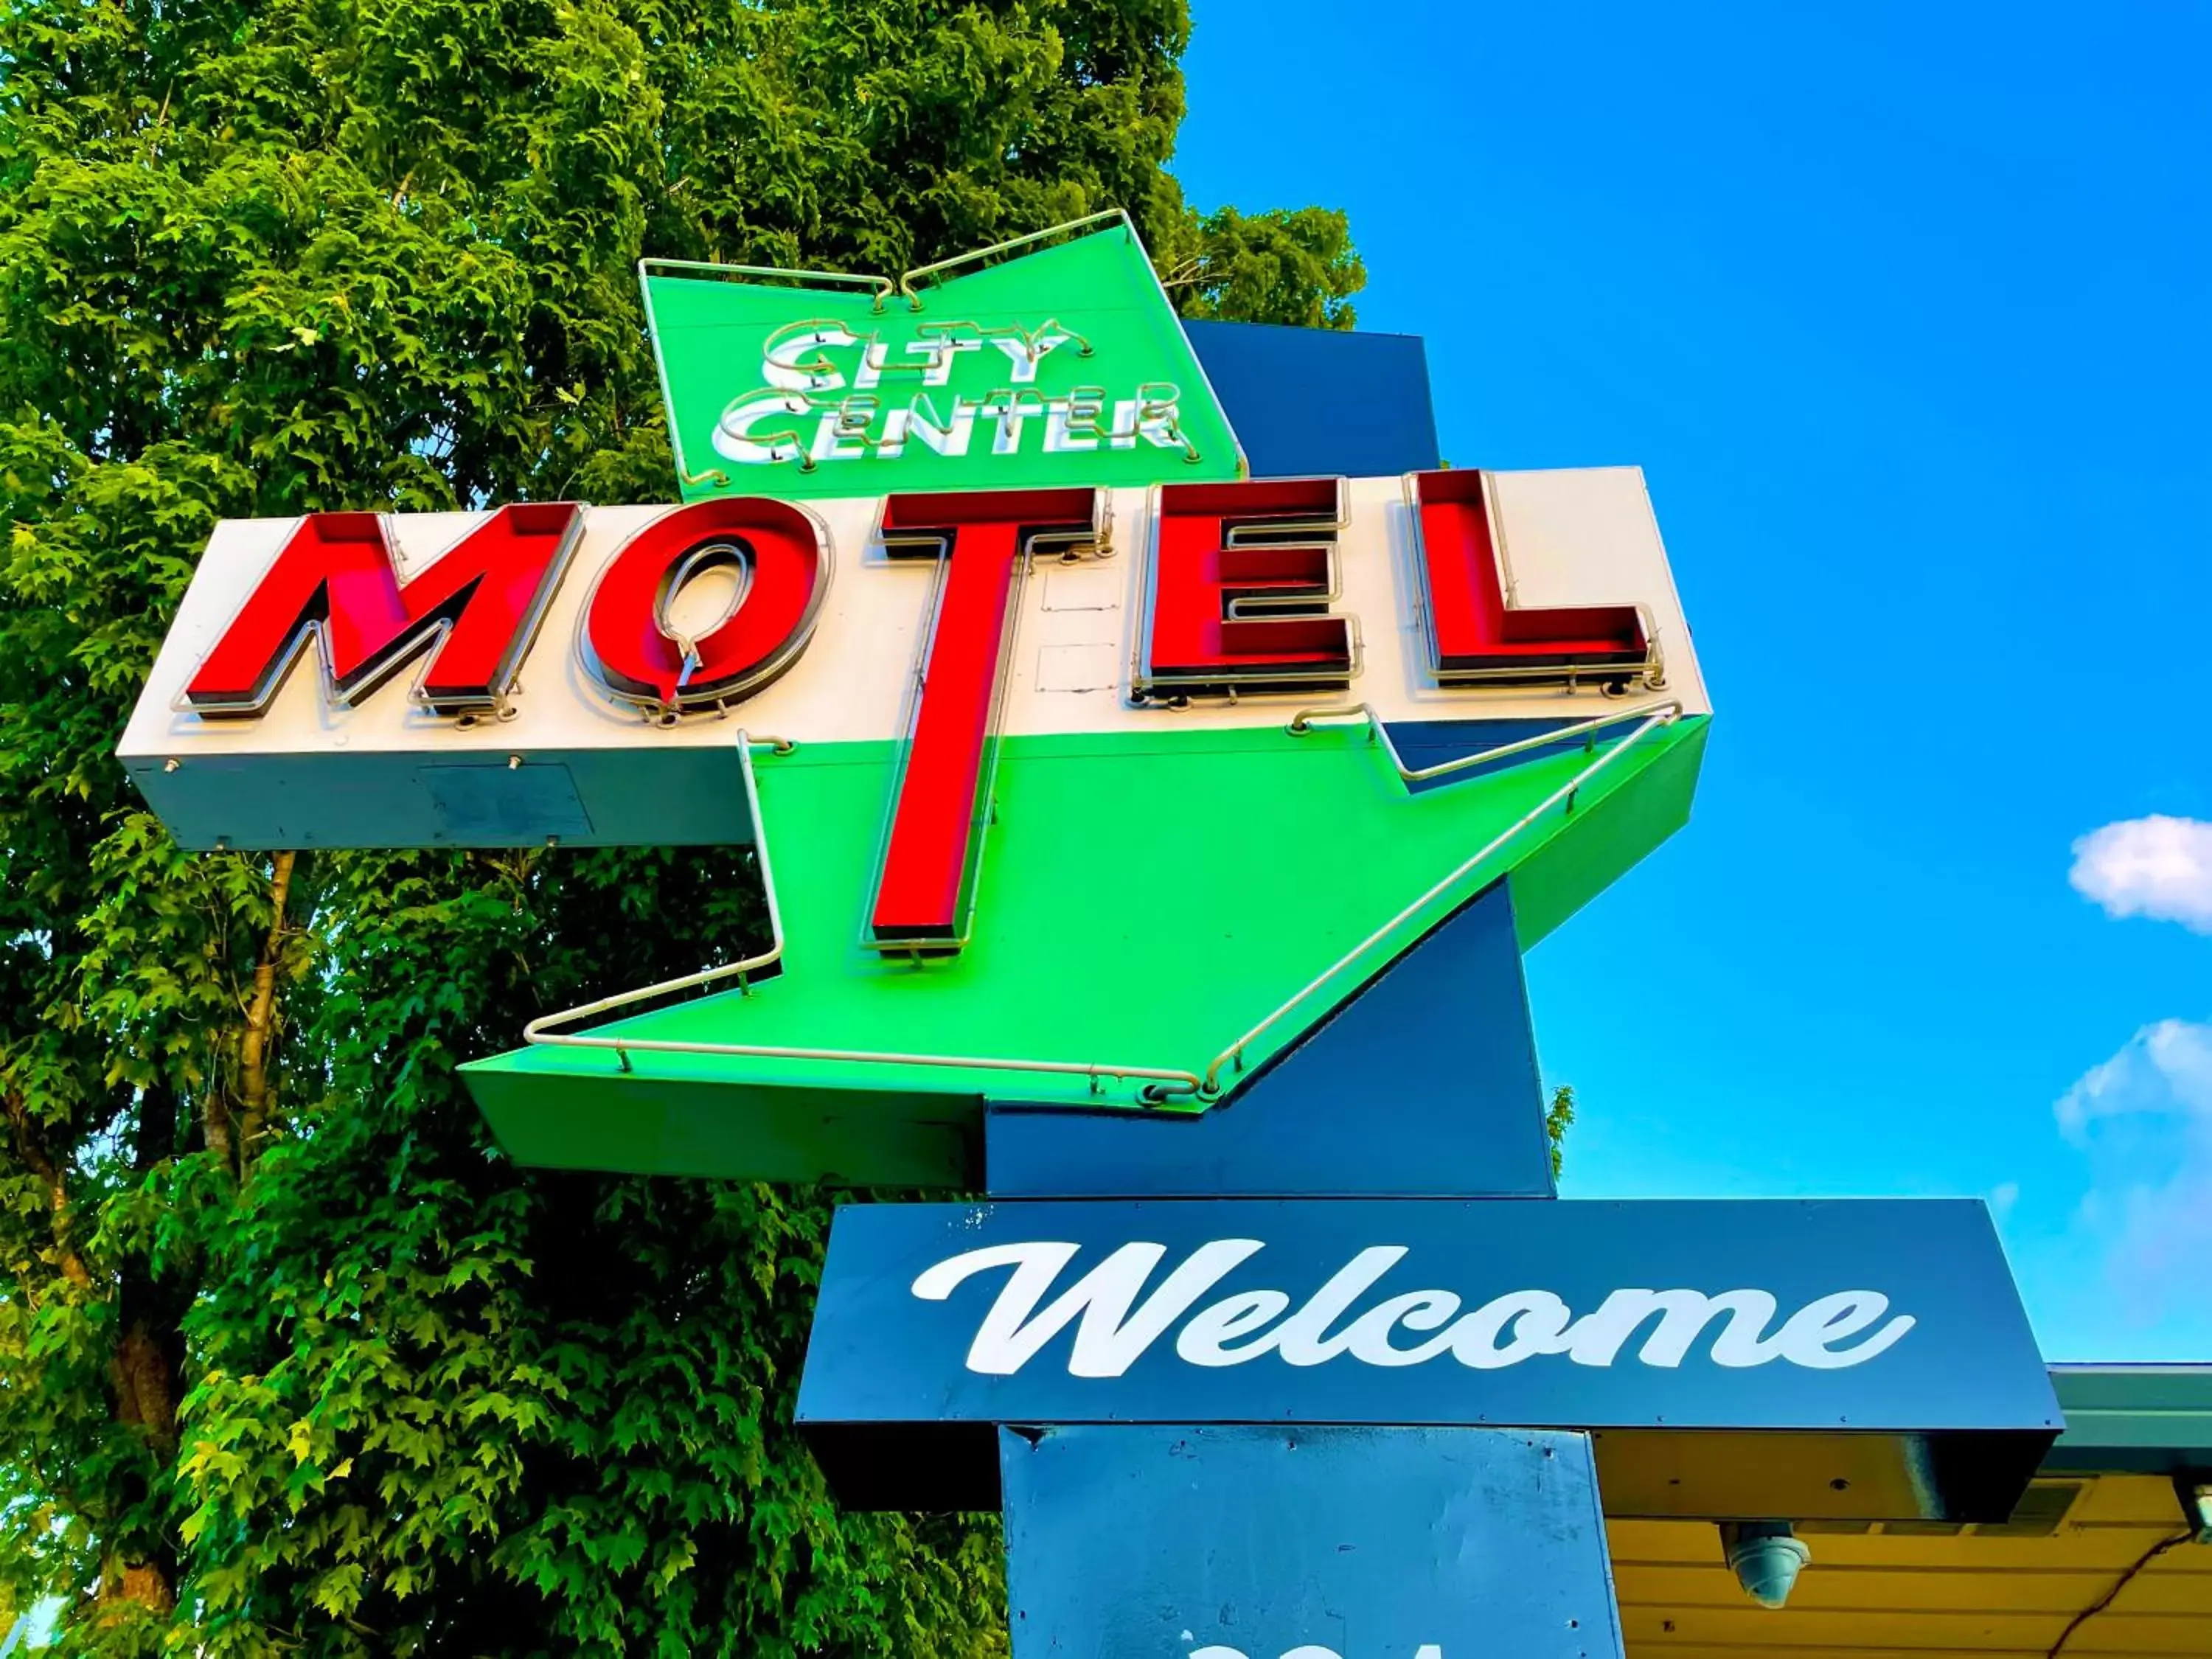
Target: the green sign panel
(1062, 366)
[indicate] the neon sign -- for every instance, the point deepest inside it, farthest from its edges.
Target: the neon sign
(1100, 776)
(927, 390)
(1053, 360)
(335, 584)
(691, 614)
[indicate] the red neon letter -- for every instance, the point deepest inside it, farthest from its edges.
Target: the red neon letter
(984, 539)
(1476, 631)
(337, 578)
(781, 561)
(1242, 577)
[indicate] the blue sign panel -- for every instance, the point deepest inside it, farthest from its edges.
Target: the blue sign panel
(1437, 1047)
(1253, 1543)
(1319, 400)
(1834, 1321)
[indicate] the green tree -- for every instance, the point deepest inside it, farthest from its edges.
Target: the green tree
(1285, 266)
(290, 1360)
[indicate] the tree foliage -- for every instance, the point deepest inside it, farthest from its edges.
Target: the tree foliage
(290, 1358)
(1285, 266)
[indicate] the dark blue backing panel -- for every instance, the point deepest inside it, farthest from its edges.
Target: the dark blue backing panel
(884, 1351)
(1319, 400)
(1368, 1543)
(1423, 1084)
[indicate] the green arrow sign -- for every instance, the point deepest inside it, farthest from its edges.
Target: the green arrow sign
(1065, 364)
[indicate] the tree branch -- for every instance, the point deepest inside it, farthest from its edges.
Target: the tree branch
(258, 1039)
(31, 1151)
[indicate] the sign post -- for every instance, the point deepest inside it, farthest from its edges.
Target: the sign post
(1264, 1421)
(1217, 1542)
(1152, 848)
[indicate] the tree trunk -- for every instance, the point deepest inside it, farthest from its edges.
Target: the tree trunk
(31, 1151)
(146, 1374)
(139, 1582)
(258, 1039)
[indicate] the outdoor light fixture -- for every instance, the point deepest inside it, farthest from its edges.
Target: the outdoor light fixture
(2196, 1494)
(1766, 1557)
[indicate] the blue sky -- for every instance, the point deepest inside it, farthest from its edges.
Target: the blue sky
(1903, 312)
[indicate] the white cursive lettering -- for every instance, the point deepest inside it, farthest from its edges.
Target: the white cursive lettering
(1535, 1318)
(1596, 1338)
(1115, 1330)
(1810, 1338)
(1117, 1322)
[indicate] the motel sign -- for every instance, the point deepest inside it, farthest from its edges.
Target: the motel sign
(1151, 848)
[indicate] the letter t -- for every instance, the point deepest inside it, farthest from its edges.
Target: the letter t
(981, 540)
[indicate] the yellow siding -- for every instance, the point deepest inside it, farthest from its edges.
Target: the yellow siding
(1872, 1595)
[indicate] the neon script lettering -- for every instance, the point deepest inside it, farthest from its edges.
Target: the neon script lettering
(1116, 1319)
(955, 389)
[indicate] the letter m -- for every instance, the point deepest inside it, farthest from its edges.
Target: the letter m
(337, 581)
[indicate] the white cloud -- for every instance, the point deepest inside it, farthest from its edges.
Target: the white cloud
(2167, 1070)
(2002, 1197)
(2157, 867)
(2144, 1120)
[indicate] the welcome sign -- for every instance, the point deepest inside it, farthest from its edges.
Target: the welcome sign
(1066, 365)
(1849, 1334)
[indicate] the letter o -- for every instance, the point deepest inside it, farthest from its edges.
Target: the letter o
(634, 652)
(1537, 1319)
